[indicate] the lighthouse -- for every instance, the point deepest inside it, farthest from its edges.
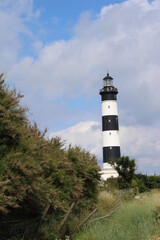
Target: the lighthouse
(110, 127)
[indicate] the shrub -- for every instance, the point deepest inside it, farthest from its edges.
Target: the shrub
(146, 183)
(126, 170)
(38, 176)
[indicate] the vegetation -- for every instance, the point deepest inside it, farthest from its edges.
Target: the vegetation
(128, 178)
(135, 219)
(126, 170)
(146, 183)
(39, 179)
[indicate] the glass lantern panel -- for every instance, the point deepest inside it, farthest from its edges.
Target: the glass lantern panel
(107, 83)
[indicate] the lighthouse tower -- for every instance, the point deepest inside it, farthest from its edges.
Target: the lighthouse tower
(110, 127)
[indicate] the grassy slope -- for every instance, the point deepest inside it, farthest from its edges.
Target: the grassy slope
(135, 220)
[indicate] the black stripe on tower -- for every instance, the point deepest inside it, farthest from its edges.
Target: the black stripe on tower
(111, 153)
(108, 96)
(110, 122)
(108, 93)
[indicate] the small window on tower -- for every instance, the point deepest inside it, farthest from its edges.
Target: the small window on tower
(108, 106)
(109, 120)
(110, 133)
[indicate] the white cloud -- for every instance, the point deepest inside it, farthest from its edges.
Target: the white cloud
(23, 8)
(14, 16)
(140, 143)
(84, 134)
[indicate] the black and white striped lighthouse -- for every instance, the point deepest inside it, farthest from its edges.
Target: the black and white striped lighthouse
(110, 127)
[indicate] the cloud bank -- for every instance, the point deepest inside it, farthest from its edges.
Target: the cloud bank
(143, 146)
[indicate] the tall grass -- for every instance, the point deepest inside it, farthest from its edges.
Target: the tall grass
(135, 220)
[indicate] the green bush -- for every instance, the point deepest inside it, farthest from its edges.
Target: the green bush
(36, 172)
(126, 170)
(146, 183)
(129, 179)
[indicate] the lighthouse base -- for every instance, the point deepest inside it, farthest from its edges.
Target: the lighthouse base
(108, 172)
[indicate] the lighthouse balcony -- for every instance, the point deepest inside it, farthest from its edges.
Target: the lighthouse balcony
(108, 89)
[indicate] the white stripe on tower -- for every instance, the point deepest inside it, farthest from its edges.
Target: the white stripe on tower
(111, 138)
(109, 107)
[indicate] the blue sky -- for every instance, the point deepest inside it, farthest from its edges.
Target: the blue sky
(57, 53)
(59, 17)
(57, 20)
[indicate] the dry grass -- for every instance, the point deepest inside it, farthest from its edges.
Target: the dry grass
(105, 202)
(155, 238)
(135, 220)
(156, 197)
(107, 197)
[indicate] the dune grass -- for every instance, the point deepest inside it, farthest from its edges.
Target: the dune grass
(135, 220)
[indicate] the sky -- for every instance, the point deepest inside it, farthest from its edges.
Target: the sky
(57, 53)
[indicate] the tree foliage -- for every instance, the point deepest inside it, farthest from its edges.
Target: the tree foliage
(128, 178)
(126, 169)
(146, 183)
(36, 172)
